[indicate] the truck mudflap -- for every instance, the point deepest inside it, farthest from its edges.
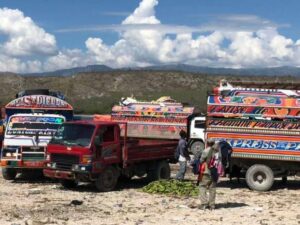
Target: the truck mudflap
(23, 164)
(69, 175)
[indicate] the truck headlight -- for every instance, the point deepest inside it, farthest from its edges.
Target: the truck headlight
(75, 167)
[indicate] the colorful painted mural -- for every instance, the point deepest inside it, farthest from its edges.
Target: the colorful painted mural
(163, 120)
(153, 131)
(257, 123)
(261, 92)
(252, 111)
(253, 124)
(153, 119)
(38, 101)
(261, 146)
(255, 101)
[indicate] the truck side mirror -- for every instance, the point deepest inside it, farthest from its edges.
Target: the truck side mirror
(97, 141)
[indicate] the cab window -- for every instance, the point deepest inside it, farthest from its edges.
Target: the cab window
(200, 124)
(107, 133)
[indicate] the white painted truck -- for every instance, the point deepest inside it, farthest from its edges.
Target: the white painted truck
(25, 140)
(31, 121)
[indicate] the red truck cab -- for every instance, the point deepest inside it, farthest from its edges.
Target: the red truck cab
(91, 151)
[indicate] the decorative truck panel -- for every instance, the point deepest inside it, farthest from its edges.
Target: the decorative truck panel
(271, 147)
(39, 102)
(259, 106)
(152, 120)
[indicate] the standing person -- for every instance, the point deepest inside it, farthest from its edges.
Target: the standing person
(226, 151)
(183, 155)
(209, 175)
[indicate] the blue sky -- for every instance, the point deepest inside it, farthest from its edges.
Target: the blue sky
(120, 33)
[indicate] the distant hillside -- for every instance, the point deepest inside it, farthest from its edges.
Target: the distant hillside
(97, 92)
(72, 71)
(275, 71)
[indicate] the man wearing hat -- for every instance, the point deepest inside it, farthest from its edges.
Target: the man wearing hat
(183, 155)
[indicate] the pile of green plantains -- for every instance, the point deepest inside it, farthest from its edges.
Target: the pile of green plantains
(172, 188)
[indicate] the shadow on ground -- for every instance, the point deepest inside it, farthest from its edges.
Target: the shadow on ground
(137, 183)
(290, 184)
(230, 205)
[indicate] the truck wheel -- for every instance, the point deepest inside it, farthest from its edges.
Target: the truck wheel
(107, 180)
(197, 147)
(259, 177)
(9, 174)
(69, 184)
(161, 171)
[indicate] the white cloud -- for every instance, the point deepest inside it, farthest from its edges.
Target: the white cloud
(229, 41)
(144, 14)
(24, 37)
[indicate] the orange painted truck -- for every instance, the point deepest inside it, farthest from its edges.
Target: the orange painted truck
(263, 128)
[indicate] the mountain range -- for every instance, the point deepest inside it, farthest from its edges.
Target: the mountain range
(272, 71)
(96, 92)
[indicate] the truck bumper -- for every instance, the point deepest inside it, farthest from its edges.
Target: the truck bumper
(59, 174)
(23, 164)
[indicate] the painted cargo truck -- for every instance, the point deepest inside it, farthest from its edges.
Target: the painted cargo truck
(95, 151)
(263, 128)
(160, 119)
(31, 121)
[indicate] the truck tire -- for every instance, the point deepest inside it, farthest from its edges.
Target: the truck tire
(107, 180)
(161, 171)
(69, 184)
(259, 177)
(197, 147)
(9, 173)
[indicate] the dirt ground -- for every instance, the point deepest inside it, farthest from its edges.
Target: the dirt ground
(46, 202)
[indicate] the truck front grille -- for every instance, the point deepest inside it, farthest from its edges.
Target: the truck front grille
(33, 153)
(64, 161)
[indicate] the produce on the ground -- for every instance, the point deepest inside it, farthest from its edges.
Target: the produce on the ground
(172, 187)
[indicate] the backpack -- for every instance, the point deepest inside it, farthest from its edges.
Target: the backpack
(215, 166)
(226, 151)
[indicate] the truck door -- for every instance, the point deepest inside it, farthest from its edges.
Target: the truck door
(109, 148)
(197, 128)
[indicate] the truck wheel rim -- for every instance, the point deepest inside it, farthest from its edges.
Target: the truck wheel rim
(259, 177)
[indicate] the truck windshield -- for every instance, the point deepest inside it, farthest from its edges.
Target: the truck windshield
(32, 125)
(73, 134)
